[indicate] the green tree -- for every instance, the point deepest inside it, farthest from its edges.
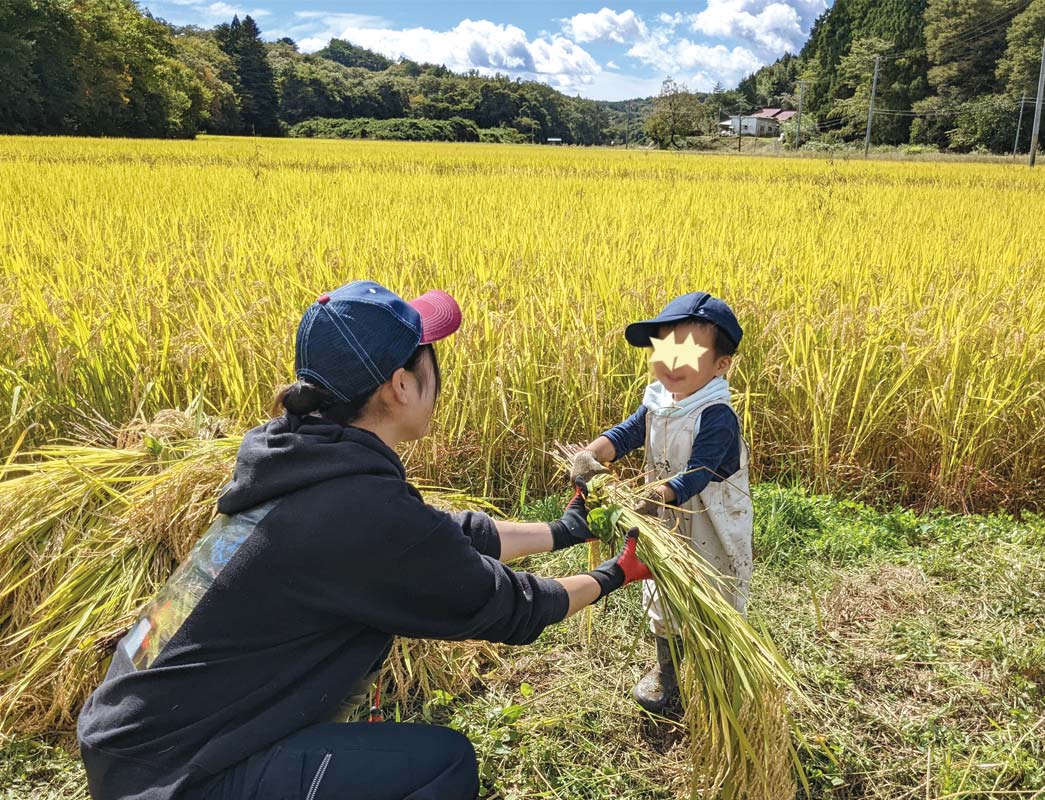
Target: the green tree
(965, 41)
(349, 55)
(987, 123)
(857, 76)
(676, 115)
(1020, 64)
(899, 27)
(132, 83)
(38, 80)
(256, 85)
(200, 52)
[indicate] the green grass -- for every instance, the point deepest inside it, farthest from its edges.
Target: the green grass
(924, 654)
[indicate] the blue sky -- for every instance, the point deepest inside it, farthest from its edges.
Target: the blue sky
(587, 49)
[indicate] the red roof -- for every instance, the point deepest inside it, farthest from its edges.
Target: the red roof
(775, 114)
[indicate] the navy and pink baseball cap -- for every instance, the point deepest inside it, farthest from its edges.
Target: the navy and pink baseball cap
(352, 340)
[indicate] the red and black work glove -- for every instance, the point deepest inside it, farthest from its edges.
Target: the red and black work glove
(573, 527)
(622, 569)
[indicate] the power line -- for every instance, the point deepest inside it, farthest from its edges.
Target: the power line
(899, 112)
(973, 34)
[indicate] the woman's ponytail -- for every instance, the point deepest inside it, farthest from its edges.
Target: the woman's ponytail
(302, 398)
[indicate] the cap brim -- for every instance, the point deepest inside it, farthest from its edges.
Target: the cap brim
(440, 315)
(638, 334)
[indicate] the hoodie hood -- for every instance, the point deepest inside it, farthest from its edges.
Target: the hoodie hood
(293, 452)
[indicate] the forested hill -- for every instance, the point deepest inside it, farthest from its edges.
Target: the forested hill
(952, 73)
(105, 67)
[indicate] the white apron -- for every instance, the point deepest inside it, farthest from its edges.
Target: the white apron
(721, 523)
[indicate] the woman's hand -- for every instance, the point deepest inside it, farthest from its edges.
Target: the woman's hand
(572, 528)
(623, 568)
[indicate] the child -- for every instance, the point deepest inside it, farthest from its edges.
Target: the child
(692, 436)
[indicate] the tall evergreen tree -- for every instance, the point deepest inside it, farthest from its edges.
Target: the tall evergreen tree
(256, 84)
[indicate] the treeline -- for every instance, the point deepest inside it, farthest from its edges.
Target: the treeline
(952, 73)
(106, 68)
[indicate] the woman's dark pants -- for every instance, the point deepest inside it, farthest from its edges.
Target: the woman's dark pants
(354, 761)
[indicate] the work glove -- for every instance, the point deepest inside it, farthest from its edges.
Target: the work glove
(622, 569)
(572, 528)
(586, 466)
(649, 504)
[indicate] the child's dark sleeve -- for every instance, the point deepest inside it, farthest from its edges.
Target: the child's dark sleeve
(629, 435)
(716, 451)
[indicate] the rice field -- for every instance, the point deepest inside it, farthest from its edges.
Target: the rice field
(895, 325)
(894, 352)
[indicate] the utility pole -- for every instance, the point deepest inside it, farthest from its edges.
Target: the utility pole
(740, 131)
(1037, 109)
(1019, 124)
(870, 108)
(798, 135)
(627, 125)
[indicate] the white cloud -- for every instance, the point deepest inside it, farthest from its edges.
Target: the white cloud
(671, 20)
(486, 46)
(726, 41)
(733, 38)
(774, 26)
(226, 11)
(699, 64)
(605, 25)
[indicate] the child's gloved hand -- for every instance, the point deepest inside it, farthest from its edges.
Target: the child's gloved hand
(586, 466)
(650, 503)
(646, 506)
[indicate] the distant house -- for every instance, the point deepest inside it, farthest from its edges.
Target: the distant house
(554, 140)
(762, 123)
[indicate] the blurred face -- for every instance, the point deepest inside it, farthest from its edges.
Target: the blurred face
(684, 379)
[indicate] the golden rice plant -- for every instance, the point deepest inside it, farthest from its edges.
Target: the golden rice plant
(894, 346)
(895, 338)
(734, 683)
(90, 533)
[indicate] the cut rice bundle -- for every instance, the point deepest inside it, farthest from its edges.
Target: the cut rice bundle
(734, 683)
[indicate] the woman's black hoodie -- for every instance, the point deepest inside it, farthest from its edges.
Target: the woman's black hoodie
(321, 554)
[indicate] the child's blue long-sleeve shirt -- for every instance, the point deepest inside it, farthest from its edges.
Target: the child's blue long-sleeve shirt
(716, 448)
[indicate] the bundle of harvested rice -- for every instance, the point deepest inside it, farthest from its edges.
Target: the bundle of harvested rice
(733, 682)
(89, 534)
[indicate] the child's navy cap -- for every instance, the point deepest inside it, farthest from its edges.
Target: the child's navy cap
(351, 340)
(695, 306)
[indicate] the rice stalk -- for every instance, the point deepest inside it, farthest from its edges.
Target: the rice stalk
(733, 681)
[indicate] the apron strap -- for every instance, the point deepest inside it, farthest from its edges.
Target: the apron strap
(744, 449)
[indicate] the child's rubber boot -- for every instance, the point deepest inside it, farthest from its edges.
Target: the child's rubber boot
(659, 688)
